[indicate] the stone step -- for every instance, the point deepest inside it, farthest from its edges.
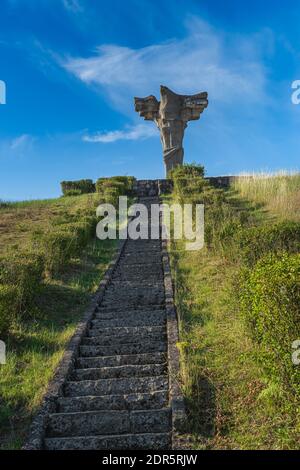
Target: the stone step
(135, 276)
(109, 313)
(140, 258)
(134, 401)
(149, 370)
(130, 348)
(138, 303)
(121, 331)
(144, 266)
(116, 386)
(144, 283)
(124, 338)
(137, 297)
(157, 441)
(130, 291)
(109, 422)
(135, 302)
(126, 273)
(142, 249)
(153, 320)
(117, 361)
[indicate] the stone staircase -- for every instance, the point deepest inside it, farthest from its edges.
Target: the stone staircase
(117, 396)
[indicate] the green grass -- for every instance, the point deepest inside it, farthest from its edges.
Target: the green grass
(279, 193)
(231, 404)
(222, 381)
(35, 347)
(35, 343)
(18, 220)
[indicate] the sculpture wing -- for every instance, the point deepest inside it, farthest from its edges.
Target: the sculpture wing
(193, 106)
(148, 107)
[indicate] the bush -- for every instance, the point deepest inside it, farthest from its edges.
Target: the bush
(65, 241)
(8, 307)
(58, 246)
(82, 231)
(188, 170)
(72, 192)
(128, 181)
(74, 188)
(255, 242)
(21, 279)
(25, 271)
(188, 182)
(269, 300)
(122, 184)
(111, 196)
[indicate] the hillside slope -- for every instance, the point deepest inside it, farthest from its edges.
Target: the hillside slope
(36, 337)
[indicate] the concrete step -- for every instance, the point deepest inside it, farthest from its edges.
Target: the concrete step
(134, 401)
(150, 370)
(122, 386)
(135, 277)
(134, 299)
(117, 361)
(144, 283)
(157, 441)
(125, 338)
(118, 349)
(121, 331)
(132, 321)
(131, 312)
(150, 271)
(116, 294)
(141, 258)
(150, 250)
(110, 313)
(145, 266)
(109, 422)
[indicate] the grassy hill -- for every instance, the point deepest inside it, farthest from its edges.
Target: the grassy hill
(238, 300)
(239, 304)
(41, 327)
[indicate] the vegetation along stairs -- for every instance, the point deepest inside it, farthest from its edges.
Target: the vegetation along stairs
(118, 388)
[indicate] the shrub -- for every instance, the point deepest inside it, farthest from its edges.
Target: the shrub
(82, 231)
(8, 307)
(25, 271)
(65, 240)
(188, 182)
(80, 187)
(123, 184)
(21, 279)
(111, 196)
(269, 300)
(255, 242)
(188, 170)
(91, 224)
(72, 192)
(58, 246)
(128, 181)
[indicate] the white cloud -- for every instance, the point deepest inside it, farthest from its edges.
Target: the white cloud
(73, 5)
(22, 142)
(138, 132)
(229, 67)
(18, 147)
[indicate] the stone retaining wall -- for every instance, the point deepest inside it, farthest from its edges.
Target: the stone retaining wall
(152, 188)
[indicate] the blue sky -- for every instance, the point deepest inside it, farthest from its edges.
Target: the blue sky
(72, 67)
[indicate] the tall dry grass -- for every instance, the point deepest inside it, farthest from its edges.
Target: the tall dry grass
(278, 192)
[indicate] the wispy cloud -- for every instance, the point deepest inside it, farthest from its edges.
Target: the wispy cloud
(18, 147)
(22, 142)
(73, 5)
(229, 67)
(139, 132)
